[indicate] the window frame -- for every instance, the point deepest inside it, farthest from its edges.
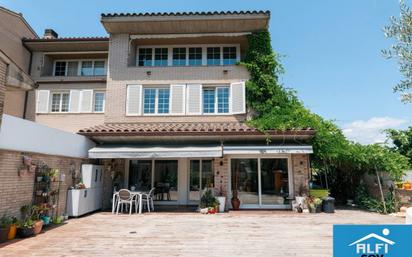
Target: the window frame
(187, 47)
(79, 67)
(94, 101)
(156, 110)
(61, 93)
(216, 104)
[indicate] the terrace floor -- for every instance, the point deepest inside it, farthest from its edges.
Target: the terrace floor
(242, 233)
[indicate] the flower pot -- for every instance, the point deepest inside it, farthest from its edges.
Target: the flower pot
(312, 210)
(407, 186)
(12, 232)
(4, 232)
(38, 225)
(235, 203)
(39, 179)
(24, 232)
(222, 203)
(46, 220)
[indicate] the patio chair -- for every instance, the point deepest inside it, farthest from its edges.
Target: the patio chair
(125, 197)
(147, 199)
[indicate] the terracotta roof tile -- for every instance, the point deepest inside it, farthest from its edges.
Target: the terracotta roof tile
(65, 39)
(168, 128)
(104, 15)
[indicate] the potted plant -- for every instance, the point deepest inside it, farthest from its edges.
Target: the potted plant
(314, 204)
(5, 223)
(209, 201)
(25, 228)
(36, 212)
(221, 199)
(235, 200)
(13, 228)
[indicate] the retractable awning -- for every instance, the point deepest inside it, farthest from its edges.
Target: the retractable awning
(113, 151)
(275, 149)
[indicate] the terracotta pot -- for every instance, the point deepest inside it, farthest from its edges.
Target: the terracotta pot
(235, 203)
(24, 232)
(407, 186)
(38, 225)
(3, 234)
(12, 232)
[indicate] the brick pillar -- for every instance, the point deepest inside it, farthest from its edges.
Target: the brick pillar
(301, 174)
(221, 170)
(3, 69)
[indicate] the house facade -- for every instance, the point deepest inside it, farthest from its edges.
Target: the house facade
(164, 99)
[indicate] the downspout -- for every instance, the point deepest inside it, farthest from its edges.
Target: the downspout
(26, 95)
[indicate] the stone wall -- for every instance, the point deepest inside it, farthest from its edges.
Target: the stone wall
(301, 174)
(16, 190)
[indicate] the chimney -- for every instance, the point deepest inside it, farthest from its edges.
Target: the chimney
(50, 34)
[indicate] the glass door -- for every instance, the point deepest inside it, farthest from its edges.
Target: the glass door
(200, 177)
(260, 182)
(165, 180)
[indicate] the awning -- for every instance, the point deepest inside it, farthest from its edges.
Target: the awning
(275, 149)
(156, 36)
(140, 152)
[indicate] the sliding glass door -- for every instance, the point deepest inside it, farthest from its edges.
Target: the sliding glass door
(260, 182)
(200, 177)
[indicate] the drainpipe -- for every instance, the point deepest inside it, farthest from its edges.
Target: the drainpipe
(26, 95)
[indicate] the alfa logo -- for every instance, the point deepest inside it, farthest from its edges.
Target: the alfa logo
(372, 240)
(378, 249)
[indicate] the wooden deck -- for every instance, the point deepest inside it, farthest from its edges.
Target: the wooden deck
(243, 233)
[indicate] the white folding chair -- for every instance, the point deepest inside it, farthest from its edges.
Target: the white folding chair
(147, 199)
(114, 201)
(125, 197)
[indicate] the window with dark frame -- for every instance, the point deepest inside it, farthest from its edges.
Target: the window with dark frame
(60, 69)
(195, 56)
(161, 57)
(145, 57)
(229, 55)
(179, 56)
(213, 56)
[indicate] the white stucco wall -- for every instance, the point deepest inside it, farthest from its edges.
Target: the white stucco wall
(22, 135)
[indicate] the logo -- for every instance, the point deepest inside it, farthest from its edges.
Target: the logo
(371, 240)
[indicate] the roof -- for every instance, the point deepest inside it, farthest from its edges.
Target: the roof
(65, 39)
(185, 13)
(78, 44)
(184, 129)
(19, 15)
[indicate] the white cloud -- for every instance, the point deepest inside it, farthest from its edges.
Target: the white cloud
(371, 131)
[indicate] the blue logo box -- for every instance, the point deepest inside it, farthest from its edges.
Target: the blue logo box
(372, 240)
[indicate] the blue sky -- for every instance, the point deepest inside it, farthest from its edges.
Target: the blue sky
(331, 50)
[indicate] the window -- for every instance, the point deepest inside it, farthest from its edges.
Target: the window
(216, 96)
(209, 100)
(161, 55)
(98, 68)
(156, 100)
(213, 56)
(195, 56)
(87, 68)
(60, 69)
(99, 99)
(223, 99)
(229, 55)
(145, 57)
(179, 56)
(60, 102)
(72, 68)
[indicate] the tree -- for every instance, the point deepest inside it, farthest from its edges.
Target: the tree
(400, 29)
(402, 139)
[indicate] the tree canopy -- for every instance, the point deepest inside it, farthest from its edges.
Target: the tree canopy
(402, 140)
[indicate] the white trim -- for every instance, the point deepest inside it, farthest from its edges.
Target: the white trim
(46, 101)
(94, 101)
(267, 149)
(232, 86)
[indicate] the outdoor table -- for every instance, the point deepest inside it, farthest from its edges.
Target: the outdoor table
(134, 194)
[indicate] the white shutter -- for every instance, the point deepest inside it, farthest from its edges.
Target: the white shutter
(42, 101)
(74, 100)
(86, 100)
(238, 96)
(194, 99)
(177, 99)
(133, 99)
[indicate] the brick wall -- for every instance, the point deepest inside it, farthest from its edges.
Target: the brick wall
(16, 191)
(301, 174)
(115, 166)
(3, 68)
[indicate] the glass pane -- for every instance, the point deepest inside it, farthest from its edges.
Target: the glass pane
(72, 68)
(208, 178)
(166, 180)
(55, 102)
(245, 179)
(195, 56)
(160, 57)
(213, 56)
(140, 175)
(229, 55)
(149, 100)
(65, 102)
(275, 184)
(87, 68)
(209, 100)
(194, 183)
(179, 56)
(99, 69)
(145, 57)
(223, 100)
(99, 101)
(60, 69)
(163, 100)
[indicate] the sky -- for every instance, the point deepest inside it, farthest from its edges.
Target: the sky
(330, 50)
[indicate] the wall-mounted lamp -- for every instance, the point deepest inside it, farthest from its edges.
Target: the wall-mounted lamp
(225, 72)
(148, 73)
